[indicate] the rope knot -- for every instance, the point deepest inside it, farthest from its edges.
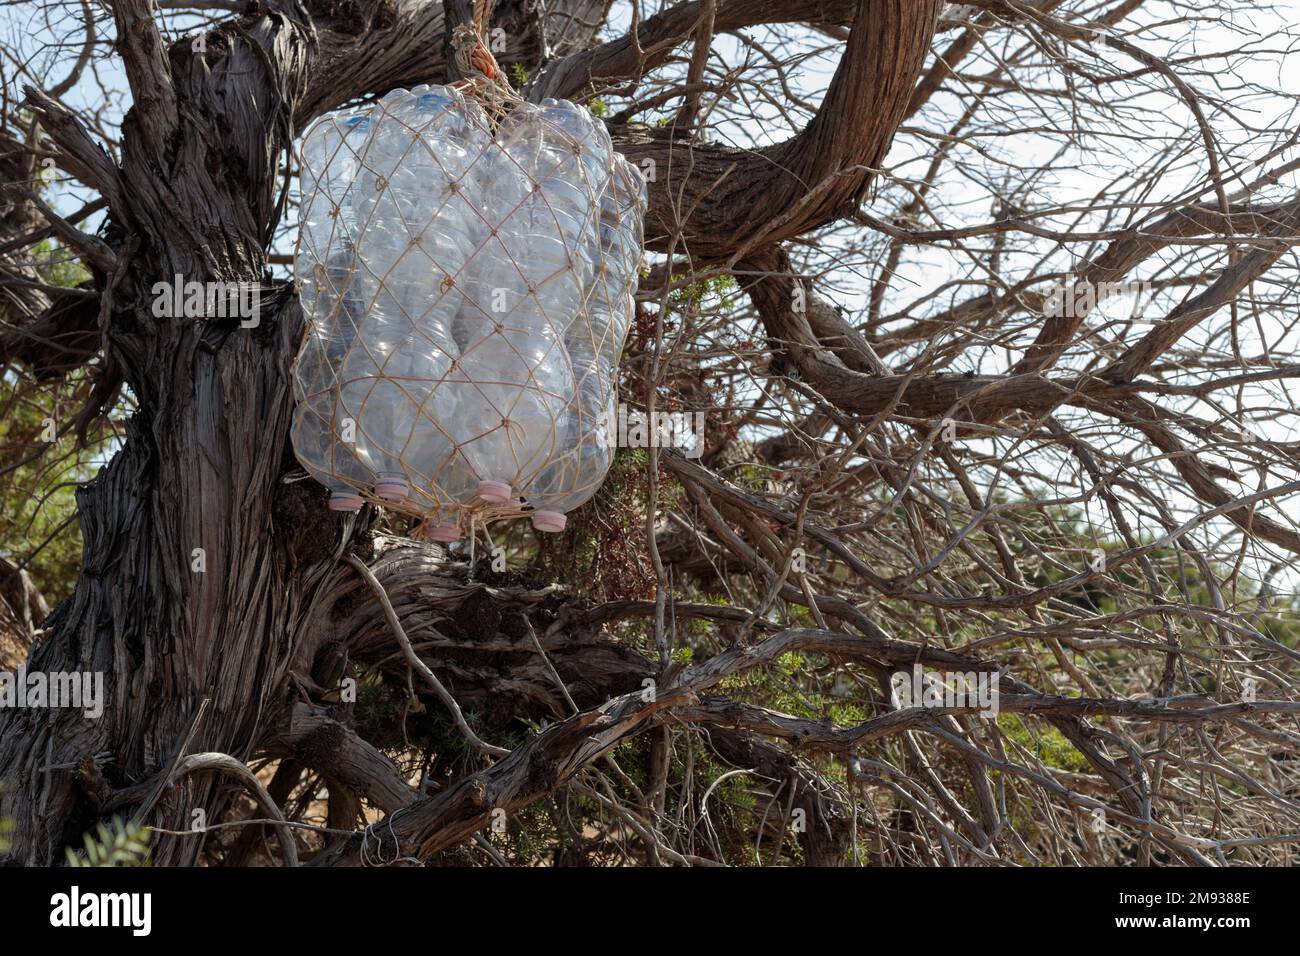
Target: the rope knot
(472, 56)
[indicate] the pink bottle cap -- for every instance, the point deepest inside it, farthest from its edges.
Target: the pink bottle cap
(442, 532)
(391, 487)
(494, 492)
(345, 501)
(549, 521)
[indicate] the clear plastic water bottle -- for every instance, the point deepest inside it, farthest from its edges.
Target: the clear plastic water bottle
(586, 138)
(544, 174)
(319, 418)
(325, 270)
(594, 343)
(421, 224)
(325, 267)
(332, 152)
(441, 473)
(510, 389)
(526, 286)
(574, 476)
(320, 442)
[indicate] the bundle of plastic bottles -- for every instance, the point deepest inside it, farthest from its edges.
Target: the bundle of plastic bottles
(467, 276)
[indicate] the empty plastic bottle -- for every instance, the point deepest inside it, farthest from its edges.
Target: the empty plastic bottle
(545, 173)
(323, 448)
(527, 283)
(325, 267)
(328, 295)
(441, 473)
(333, 152)
(325, 270)
(419, 210)
(593, 343)
(572, 478)
(510, 389)
(587, 139)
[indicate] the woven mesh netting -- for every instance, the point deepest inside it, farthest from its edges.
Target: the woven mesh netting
(467, 274)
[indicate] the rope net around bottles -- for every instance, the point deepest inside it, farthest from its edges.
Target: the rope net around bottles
(466, 263)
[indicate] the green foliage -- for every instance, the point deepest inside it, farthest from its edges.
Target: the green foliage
(379, 712)
(1283, 624)
(56, 267)
(39, 500)
(602, 550)
(37, 491)
(1047, 743)
(598, 107)
(518, 75)
(6, 827)
(793, 687)
(116, 844)
(703, 291)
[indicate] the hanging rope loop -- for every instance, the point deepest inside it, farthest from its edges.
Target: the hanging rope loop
(473, 58)
(483, 76)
